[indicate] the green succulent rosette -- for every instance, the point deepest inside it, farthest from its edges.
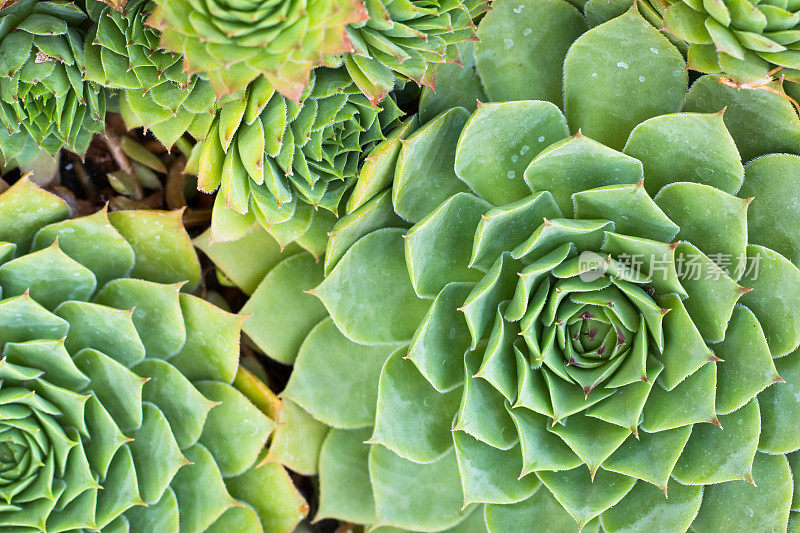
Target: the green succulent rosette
(154, 90)
(401, 40)
(750, 43)
(44, 101)
(233, 43)
(118, 409)
(287, 165)
(592, 321)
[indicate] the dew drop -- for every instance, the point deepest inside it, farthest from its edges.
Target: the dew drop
(541, 139)
(622, 64)
(508, 43)
(526, 31)
(511, 174)
(654, 50)
(524, 149)
(514, 158)
(518, 10)
(641, 79)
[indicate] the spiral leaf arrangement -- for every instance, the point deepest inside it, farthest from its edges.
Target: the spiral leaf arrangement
(277, 162)
(593, 320)
(44, 101)
(118, 410)
(154, 90)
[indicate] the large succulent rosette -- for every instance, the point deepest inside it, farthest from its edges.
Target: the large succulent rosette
(118, 410)
(593, 320)
(287, 165)
(233, 43)
(401, 40)
(44, 100)
(154, 90)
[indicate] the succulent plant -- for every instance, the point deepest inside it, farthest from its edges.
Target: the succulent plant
(277, 162)
(400, 40)
(593, 320)
(235, 43)
(154, 90)
(749, 43)
(118, 410)
(44, 101)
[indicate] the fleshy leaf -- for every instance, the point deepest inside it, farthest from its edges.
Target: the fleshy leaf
(686, 147)
(636, 69)
(645, 508)
(424, 177)
(489, 475)
(335, 379)
(413, 419)
(741, 506)
(584, 498)
(717, 454)
(438, 246)
(283, 313)
(760, 121)
(497, 175)
(345, 488)
(416, 496)
(772, 217)
(520, 46)
(381, 285)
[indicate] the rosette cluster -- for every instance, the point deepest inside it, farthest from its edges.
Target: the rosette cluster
(593, 320)
(44, 101)
(117, 406)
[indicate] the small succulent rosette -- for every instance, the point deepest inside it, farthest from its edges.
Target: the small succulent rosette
(233, 43)
(285, 165)
(155, 92)
(120, 407)
(401, 41)
(45, 103)
(573, 306)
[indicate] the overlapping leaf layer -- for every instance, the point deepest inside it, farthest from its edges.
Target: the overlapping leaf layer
(118, 412)
(595, 306)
